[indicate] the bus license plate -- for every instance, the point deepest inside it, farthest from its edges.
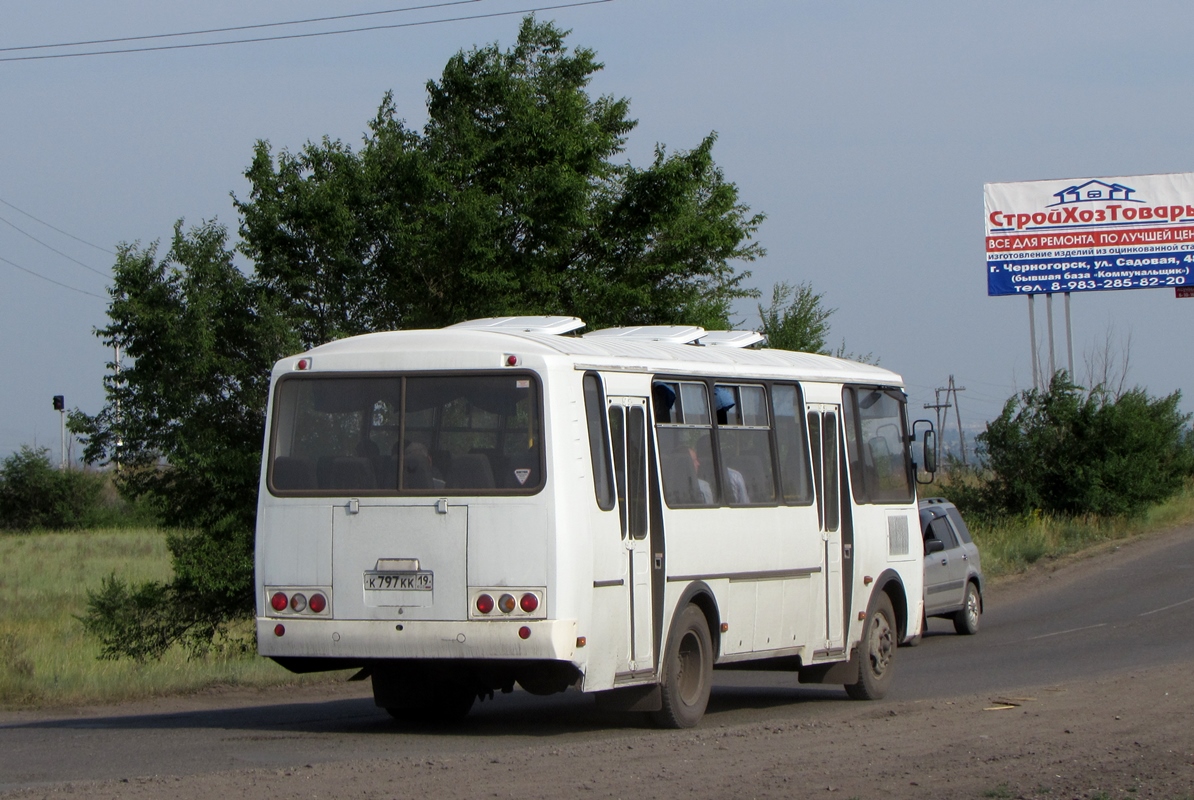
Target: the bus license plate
(421, 581)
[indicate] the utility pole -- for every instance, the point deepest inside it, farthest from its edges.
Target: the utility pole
(951, 391)
(958, 414)
(938, 406)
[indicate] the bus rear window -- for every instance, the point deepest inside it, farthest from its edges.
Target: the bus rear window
(453, 434)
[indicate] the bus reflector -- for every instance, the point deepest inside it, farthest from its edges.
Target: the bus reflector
(485, 604)
(279, 601)
(524, 632)
(279, 629)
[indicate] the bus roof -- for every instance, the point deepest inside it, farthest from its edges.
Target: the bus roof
(614, 352)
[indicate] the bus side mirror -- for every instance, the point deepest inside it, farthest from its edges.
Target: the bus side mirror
(922, 430)
(930, 453)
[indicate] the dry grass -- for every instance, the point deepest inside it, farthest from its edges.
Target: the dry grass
(45, 656)
(1013, 544)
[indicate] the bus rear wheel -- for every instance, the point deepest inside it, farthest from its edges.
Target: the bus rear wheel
(687, 671)
(876, 651)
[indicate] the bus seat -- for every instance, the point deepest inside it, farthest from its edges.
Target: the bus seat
(352, 473)
(680, 485)
(472, 471)
(293, 473)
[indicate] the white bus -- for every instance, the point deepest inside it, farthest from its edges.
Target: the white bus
(502, 501)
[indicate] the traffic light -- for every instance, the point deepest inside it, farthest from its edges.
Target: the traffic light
(59, 402)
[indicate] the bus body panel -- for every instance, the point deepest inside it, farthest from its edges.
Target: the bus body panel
(774, 578)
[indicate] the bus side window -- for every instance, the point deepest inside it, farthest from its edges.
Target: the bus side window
(617, 435)
(793, 450)
(603, 482)
(744, 440)
(683, 429)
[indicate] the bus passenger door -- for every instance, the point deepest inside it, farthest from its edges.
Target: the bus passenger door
(825, 444)
(628, 430)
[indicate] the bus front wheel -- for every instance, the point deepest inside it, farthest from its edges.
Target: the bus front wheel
(687, 671)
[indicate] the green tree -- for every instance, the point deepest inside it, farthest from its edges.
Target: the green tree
(509, 201)
(185, 419)
(34, 494)
(1071, 451)
(796, 319)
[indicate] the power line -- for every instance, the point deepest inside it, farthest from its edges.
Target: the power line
(306, 35)
(234, 27)
(59, 230)
(50, 280)
(103, 275)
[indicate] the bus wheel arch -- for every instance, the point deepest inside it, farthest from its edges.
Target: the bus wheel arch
(890, 584)
(699, 594)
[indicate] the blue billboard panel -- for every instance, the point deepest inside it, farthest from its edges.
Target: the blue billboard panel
(1090, 235)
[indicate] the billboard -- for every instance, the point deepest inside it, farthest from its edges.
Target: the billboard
(1090, 234)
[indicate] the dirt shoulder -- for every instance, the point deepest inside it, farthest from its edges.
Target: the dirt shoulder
(1126, 735)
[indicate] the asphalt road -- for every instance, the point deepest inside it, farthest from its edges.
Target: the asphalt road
(1132, 607)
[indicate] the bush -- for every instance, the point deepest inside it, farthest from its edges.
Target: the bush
(1071, 451)
(34, 494)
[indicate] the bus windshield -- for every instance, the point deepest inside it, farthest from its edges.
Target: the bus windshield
(398, 435)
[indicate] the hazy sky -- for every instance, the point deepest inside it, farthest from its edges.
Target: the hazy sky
(863, 130)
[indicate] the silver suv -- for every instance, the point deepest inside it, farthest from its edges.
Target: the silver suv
(953, 572)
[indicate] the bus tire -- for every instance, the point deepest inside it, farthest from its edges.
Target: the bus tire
(687, 671)
(876, 651)
(966, 619)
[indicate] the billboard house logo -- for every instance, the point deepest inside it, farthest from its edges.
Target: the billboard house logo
(1095, 191)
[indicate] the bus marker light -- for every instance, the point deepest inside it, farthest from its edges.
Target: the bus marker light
(581, 641)
(303, 363)
(524, 632)
(507, 603)
(861, 615)
(279, 601)
(279, 629)
(725, 626)
(298, 602)
(867, 580)
(317, 603)
(511, 361)
(485, 604)
(529, 603)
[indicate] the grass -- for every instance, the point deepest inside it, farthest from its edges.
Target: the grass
(46, 659)
(1011, 545)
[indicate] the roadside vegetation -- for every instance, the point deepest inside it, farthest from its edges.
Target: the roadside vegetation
(48, 659)
(1066, 468)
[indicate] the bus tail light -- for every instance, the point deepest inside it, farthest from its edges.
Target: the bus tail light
(485, 604)
(298, 602)
(317, 603)
(529, 603)
(279, 601)
(507, 603)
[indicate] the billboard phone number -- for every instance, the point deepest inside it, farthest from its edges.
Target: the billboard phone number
(1090, 284)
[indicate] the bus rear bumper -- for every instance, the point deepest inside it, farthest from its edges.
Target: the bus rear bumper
(387, 639)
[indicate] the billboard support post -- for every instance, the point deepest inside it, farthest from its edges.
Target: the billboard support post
(1069, 338)
(1052, 358)
(1036, 371)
